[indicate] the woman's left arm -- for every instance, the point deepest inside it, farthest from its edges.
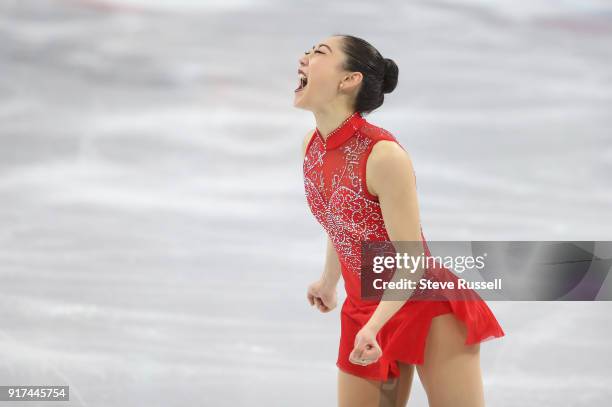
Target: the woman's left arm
(390, 176)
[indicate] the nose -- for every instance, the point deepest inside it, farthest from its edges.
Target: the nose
(303, 60)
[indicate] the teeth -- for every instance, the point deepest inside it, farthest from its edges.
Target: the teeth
(303, 80)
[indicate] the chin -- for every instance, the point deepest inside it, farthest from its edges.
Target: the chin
(297, 102)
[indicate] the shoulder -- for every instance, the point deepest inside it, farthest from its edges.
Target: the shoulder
(376, 133)
(388, 157)
(385, 148)
(306, 140)
(388, 161)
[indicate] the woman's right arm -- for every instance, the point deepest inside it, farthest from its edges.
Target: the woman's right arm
(333, 269)
(322, 293)
(306, 141)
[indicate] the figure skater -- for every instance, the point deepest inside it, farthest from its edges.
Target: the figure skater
(360, 186)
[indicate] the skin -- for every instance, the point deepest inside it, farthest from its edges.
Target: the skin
(330, 91)
(451, 374)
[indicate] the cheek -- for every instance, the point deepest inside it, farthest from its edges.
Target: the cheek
(325, 84)
(324, 76)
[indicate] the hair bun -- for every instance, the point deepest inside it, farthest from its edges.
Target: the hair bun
(390, 76)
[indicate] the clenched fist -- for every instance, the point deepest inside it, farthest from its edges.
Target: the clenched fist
(322, 295)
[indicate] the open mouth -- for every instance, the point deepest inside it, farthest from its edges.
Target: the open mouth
(303, 81)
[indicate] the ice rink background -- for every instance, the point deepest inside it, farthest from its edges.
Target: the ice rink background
(155, 243)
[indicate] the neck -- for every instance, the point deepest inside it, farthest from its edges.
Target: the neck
(328, 121)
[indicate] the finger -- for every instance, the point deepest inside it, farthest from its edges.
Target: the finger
(353, 359)
(329, 303)
(320, 303)
(323, 305)
(359, 342)
(367, 362)
(362, 358)
(357, 353)
(372, 355)
(358, 361)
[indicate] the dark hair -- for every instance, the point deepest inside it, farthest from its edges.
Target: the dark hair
(379, 74)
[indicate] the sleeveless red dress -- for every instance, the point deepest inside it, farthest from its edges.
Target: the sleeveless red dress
(335, 187)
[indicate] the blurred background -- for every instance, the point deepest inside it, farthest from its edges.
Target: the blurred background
(155, 242)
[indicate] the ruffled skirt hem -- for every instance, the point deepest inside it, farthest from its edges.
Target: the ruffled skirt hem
(404, 336)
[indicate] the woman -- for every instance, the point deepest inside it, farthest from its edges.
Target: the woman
(360, 185)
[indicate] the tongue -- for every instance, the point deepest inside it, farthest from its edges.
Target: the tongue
(300, 87)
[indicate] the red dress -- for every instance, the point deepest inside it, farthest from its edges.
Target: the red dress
(335, 186)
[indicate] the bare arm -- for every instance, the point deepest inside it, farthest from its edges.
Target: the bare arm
(306, 140)
(333, 269)
(390, 175)
(322, 293)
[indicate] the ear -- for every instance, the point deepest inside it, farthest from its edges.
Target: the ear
(351, 81)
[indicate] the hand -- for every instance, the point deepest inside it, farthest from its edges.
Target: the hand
(366, 350)
(322, 295)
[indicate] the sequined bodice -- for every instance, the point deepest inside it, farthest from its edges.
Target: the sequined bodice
(336, 192)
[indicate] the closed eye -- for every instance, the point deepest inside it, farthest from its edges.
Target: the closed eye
(316, 52)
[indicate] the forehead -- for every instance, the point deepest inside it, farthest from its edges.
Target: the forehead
(333, 42)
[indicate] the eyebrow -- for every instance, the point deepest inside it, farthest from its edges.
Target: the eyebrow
(323, 45)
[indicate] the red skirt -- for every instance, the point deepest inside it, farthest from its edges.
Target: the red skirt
(403, 337)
